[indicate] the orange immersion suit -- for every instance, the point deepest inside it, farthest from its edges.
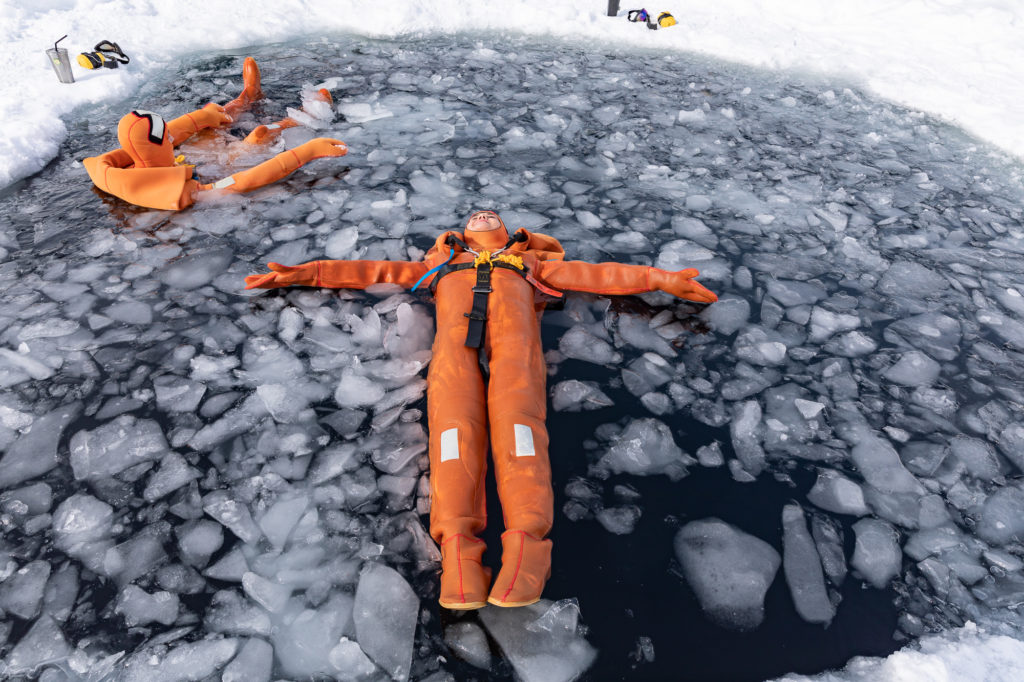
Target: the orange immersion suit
(511, 406)
(144, 171)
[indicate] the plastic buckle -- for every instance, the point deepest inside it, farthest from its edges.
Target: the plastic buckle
(481, 289)
(476, 316)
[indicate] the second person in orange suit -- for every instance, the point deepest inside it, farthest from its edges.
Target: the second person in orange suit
(484, 285)
(144, 171)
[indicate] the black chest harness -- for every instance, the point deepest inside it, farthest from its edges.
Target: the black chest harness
(484, 263)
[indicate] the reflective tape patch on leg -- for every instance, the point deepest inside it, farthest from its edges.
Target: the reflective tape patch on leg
(524, 441)
(449, 444)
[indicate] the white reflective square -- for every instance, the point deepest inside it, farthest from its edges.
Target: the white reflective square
(524, 441)
(449, 444)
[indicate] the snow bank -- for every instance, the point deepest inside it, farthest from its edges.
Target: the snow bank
(953, 58)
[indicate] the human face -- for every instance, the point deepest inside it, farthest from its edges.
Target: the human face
(483, 221)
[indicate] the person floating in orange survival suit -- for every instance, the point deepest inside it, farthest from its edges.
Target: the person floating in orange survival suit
(144, 171)
(483, 282)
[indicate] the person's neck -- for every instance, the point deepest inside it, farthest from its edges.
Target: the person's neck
(489, 240)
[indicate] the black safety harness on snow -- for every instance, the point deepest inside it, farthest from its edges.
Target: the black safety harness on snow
(484, 263)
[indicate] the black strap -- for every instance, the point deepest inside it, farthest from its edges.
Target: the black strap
(478, 314)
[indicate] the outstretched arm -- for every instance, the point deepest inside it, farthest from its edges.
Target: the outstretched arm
(338, 274)
(617, 279)
(279, 166)
(184, 127)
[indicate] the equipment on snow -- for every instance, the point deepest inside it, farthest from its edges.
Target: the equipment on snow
(106, 54)
(60, 62)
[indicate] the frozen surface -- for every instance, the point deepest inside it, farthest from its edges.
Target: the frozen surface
(219, 467)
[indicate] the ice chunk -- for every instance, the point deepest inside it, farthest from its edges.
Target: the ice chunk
(760, 347)
(908, 278)
(539, 646)
(35, 452)
(355, 390)
(646, 447)
(729, 570)
(22, 593)
(197, 269)
(349, 661)
(789, 293)
(1002, 516)
(140, 608)
(174, 472)
(802, 567)
(468, 641)
(385, 614)
(186, 661)
(914, 368)
(231, 567)
(934, 333)
(231, 613)
(232, 514)
(747, 431)
(115, 446)
(828, 538)
(574, 396)
(177, 394)
(825, 323)
(82, 526)
(304, 638)
(876, 555)
(835, 493)
(1011, 443)
(728, 315)
(43, 643)
(881, 467)
(711, 455)
(268, 594)
(198, 540)
(619, 520)
(254, 663)
(580, 344)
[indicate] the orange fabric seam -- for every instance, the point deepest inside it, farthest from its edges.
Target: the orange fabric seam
(132, 145)
(458, 552)
(297, 159)
(319, 277)
(519, 563)
(460, 535)
(193, 122)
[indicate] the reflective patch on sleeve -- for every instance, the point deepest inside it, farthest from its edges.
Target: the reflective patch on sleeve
(226, 182)
(449, 444)
(273, 126)
(524, 441)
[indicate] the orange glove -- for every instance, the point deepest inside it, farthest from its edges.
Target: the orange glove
(210, 116)
(681, 285)
(306, 274)
(320, 147)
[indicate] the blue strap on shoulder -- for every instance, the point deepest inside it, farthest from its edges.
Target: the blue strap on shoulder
(431, 271)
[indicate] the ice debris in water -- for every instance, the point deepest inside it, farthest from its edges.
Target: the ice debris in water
(646, 447)
(729, 570)
(542, 641)
(802, 567)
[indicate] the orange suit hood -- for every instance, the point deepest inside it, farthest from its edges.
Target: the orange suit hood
(143, 135)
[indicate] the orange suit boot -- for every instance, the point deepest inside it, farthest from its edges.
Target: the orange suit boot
(484, 284)
(144, 171)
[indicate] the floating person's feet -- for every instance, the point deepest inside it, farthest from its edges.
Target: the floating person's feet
(251, 89)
